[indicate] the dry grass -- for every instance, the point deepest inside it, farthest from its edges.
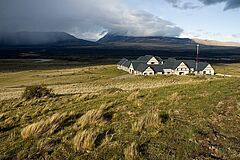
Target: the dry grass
(131, 152)
(49, 125)
(85, 140)
(174, 98)
(91, 117)
(150, 120)
(134, 95)
(76, 81)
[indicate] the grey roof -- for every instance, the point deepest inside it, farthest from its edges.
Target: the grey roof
(157, 68)
(136, 64)
(202, 66)
(122, 61)
(142, 67)
(190, 63)
(171, 63)
(127, 63)
(158, 58)
(145, 58)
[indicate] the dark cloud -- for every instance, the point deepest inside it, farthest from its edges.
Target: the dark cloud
(230, 4)
(88, 19)
(185, 4)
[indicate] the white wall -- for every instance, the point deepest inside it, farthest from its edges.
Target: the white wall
(168, 71)
(153, 60)
(148, 71)
(131, 69)
(182, 69)
(208, 70)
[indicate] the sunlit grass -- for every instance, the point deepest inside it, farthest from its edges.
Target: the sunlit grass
(122, 116)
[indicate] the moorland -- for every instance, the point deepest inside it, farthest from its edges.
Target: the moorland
(99, 112)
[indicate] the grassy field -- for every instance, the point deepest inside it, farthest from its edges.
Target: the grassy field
(100, 112)
(229, 69)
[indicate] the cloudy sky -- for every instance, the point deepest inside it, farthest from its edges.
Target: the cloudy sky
(92, 19)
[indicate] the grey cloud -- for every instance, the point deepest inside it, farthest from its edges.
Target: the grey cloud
(230, 4)
(185, 4)
(181, 4)
(89, 19)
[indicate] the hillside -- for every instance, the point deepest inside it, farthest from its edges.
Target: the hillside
(216, 43)
(100, 112)
(148, 42)
(40, 38)
(160, 42)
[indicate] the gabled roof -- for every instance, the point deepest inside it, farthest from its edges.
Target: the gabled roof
(190, 63)
(122, 61)
(142, 67)
(127, 63)
(145, 58)
(157, 68)
(202, 66)
(136, 64)
(171, 63)
(158, 58)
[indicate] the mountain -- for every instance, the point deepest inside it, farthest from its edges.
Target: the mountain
(160, 42)
(40, 38)
(113, 38)
(216, 43)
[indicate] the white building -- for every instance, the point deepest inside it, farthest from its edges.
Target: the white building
(152, 65)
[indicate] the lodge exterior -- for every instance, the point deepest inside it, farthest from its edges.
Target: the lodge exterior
(154, 65)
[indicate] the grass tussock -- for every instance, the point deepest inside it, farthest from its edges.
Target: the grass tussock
(49, 125)
(131, 152)
(150, 120)
(37, 91)
(134, 95)
(91, 117)
(85, 140)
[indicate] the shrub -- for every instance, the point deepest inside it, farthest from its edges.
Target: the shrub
(164, 117)
(36, 91)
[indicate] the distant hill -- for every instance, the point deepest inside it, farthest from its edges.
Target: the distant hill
(216, 43)
(113, 38)
(40, 38)
(159, 42)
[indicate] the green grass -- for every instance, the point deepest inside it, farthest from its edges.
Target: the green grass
(229, 69)
(198, 117)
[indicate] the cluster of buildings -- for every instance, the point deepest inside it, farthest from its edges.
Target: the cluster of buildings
(154, 65)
